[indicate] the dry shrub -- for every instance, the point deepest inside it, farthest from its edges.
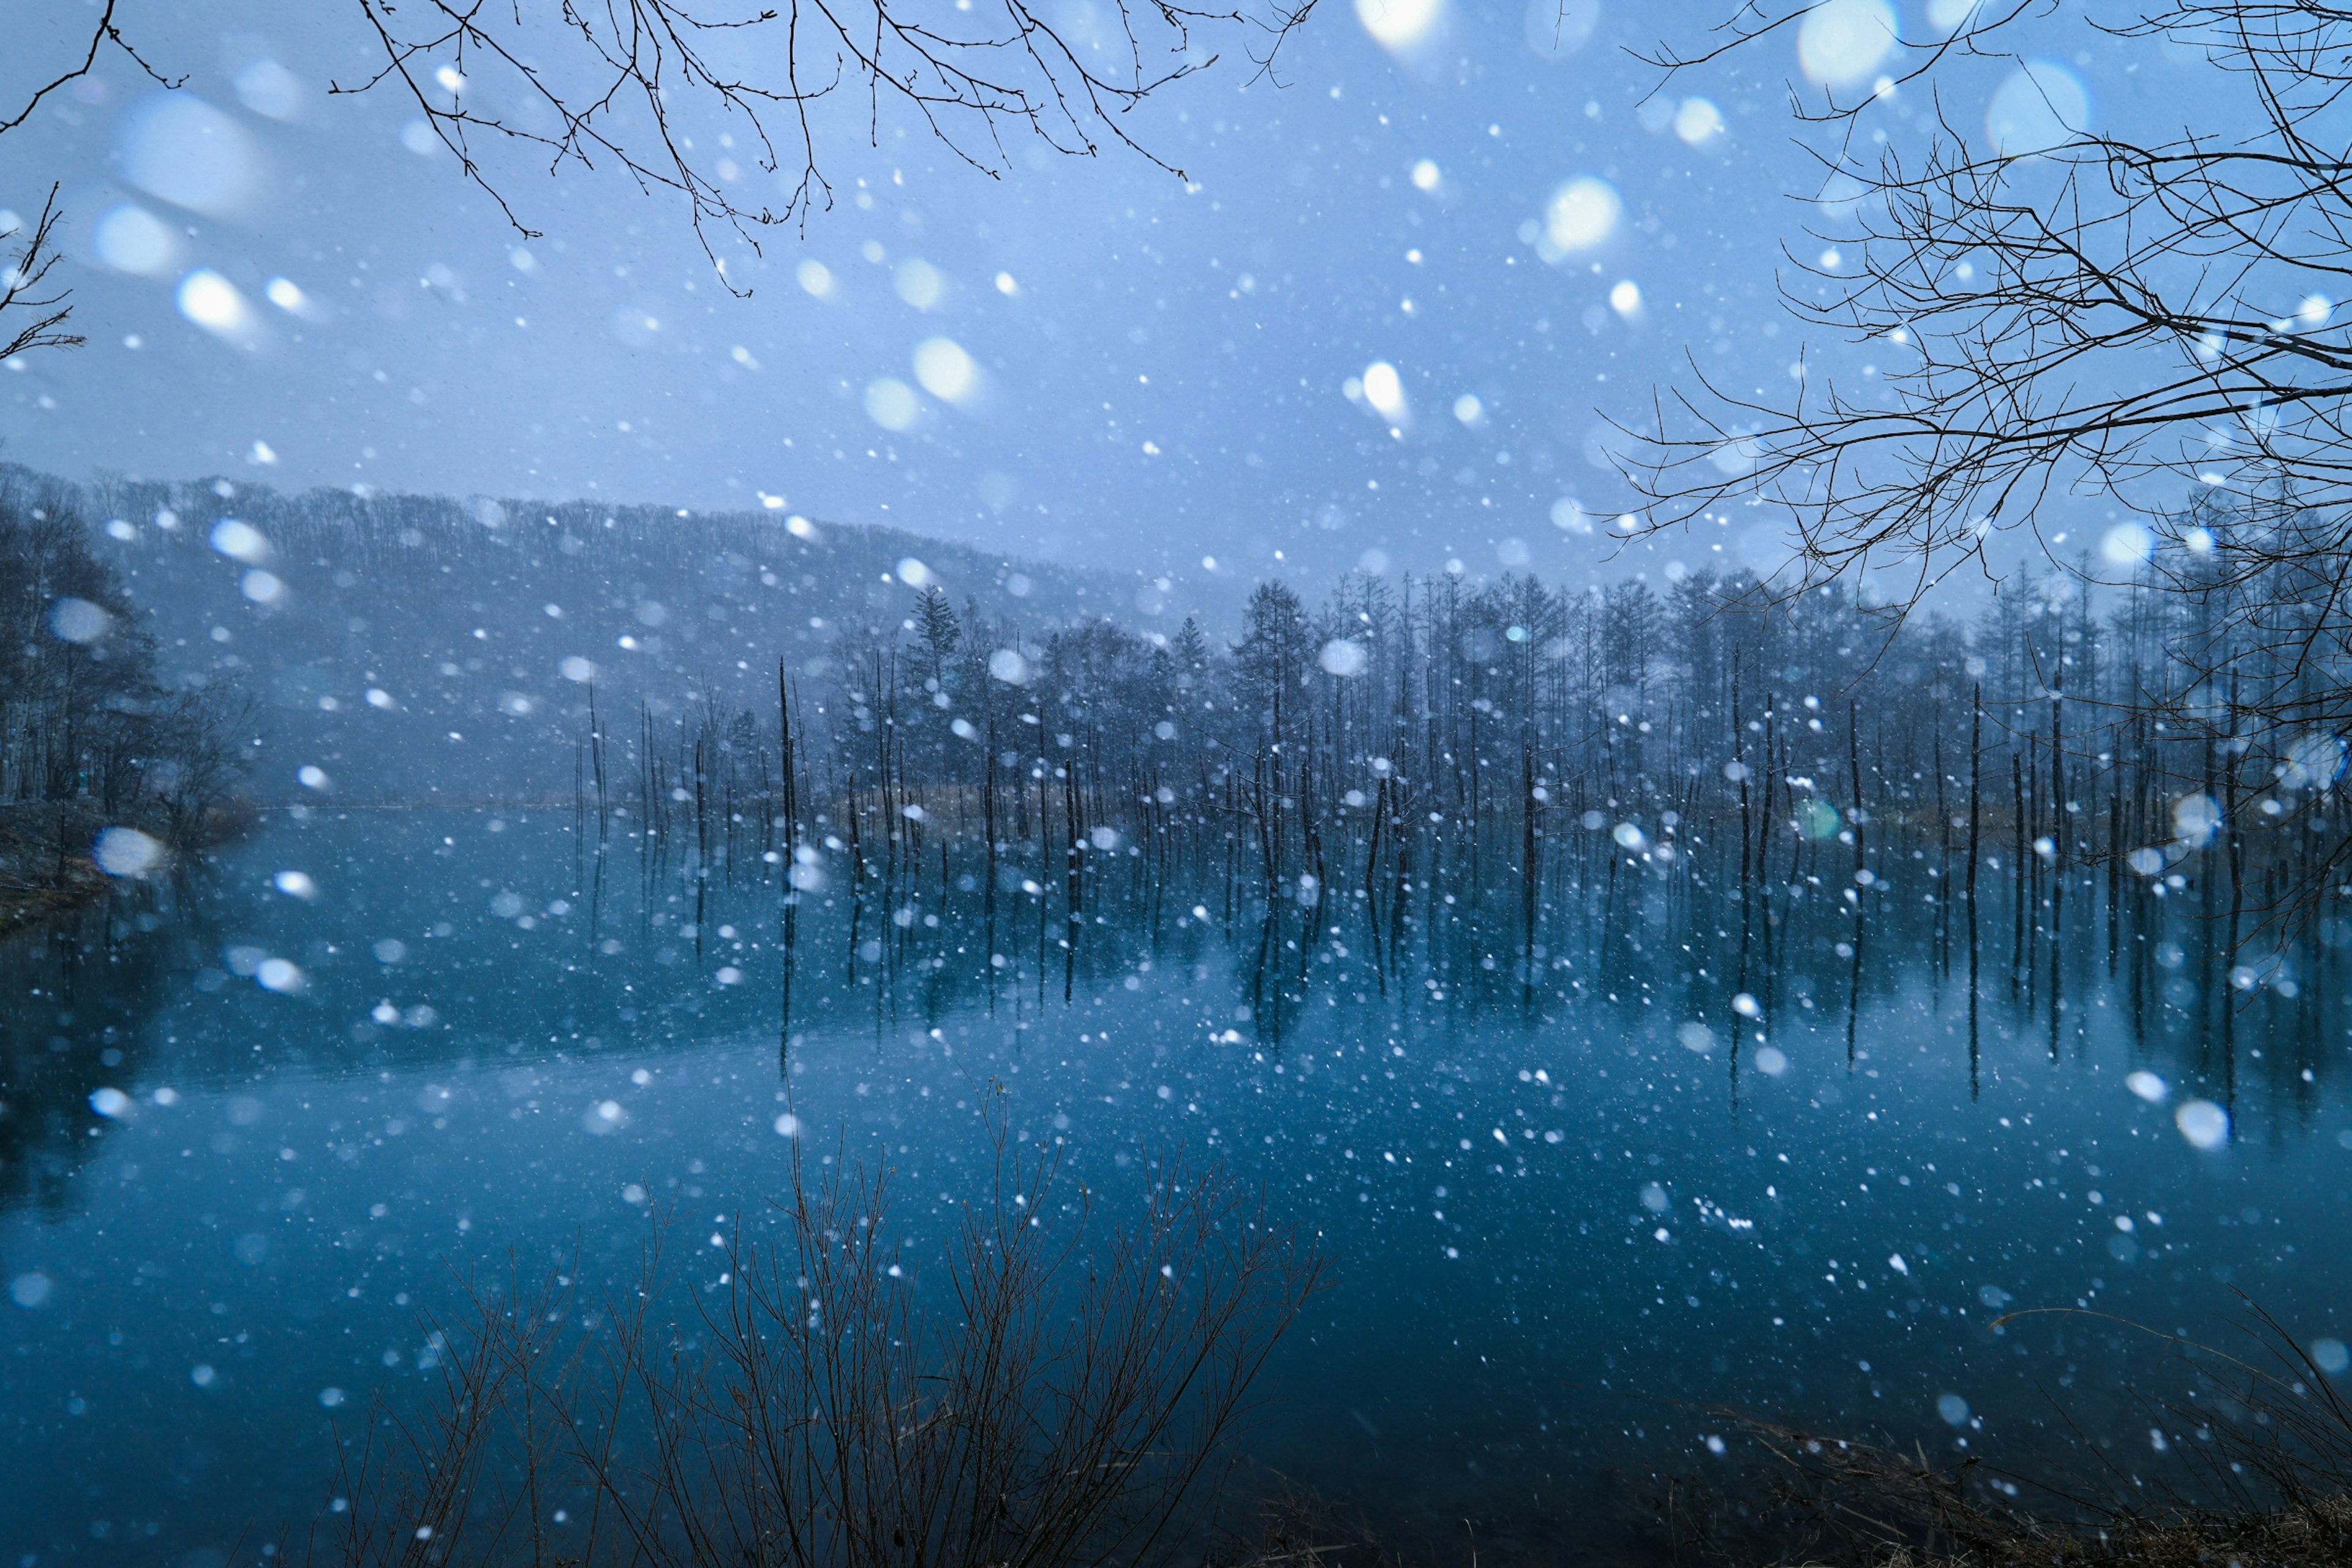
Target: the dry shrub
(1295, 1527)
(1063, 1393)
(2267, 1436)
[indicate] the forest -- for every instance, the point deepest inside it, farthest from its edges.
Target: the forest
(94, 740)
(2168, 734)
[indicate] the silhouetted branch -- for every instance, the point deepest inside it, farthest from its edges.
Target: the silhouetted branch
(102, 32)
(635, 85)
(2024, 298)
(20, 290)
(638, 80)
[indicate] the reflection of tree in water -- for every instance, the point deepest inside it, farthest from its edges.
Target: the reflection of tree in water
(1673, 943)
(78, 1001)
(1616, 940)
(1781, 936)
(1511, 795)
(1816, 956)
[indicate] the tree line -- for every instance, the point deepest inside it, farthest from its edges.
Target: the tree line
(92, 734)
(1403, 737)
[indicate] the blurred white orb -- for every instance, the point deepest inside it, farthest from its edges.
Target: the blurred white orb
(130, 238)
(2127, 544)
(1841, 42)
(126, 852)
(1344, 657)
(946, 371)
(2039, 107)
(1398, 24)
(890, 403)
(1581, 214)
(1558, 28)
(178, 147)
(920, 283)
(1699, 122)
(214, 303)
(77, 620)
(269, 89)
(2205, 1124)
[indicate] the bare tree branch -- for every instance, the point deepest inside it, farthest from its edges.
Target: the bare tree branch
(2105, 318)
(2132, 338)
(642, 85)
(102, 32)
(641, 78)
(20, 290)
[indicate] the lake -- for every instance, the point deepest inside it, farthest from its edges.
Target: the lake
(261, 1121)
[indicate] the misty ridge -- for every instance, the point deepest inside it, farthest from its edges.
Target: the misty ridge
(433, 649)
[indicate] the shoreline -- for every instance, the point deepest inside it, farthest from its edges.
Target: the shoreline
(25, 909)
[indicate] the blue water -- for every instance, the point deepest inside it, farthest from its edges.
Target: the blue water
(1566, 1223)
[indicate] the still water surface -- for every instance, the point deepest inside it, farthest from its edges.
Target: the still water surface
(1564, 1216)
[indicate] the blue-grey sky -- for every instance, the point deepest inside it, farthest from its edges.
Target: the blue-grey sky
(1531, 231)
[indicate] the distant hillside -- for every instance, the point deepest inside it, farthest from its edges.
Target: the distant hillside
(424, 648)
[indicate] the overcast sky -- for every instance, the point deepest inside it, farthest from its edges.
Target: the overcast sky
(1152, 371)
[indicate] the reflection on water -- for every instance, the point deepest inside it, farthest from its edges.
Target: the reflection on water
(1588, 1160)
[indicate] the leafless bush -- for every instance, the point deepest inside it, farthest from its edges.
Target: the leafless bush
(1063, 1389)
(2266, 1436)
(1814, 1500)
(1292, 1525)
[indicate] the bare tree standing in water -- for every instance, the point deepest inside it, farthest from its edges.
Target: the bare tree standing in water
(2077, 318)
